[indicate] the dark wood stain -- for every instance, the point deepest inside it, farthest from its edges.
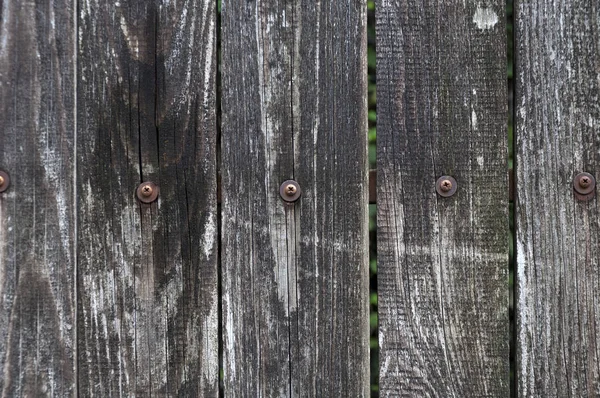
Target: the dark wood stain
(147, 274)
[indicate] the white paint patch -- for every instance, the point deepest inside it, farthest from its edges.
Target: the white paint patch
(210, 231)
(230, 343)
(485, 18)
(132, 41)
(385, 365)
(480, 160)
(209, 54)
(210, 358)
(6, 14)
(124, 28)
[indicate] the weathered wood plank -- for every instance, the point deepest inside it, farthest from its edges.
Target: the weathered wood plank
(37, 219)
(295, 278)
(557, 127)
(147, 274)
(442, 262)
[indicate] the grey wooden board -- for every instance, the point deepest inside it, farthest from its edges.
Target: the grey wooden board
(442, 262)
(147, 274)
(557, 127)
(295, 277)
(37, 251)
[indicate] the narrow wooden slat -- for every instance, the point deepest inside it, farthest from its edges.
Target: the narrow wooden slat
(558, 135)
(295, 277)
(442, 262)
(147, 274)
(37, 222)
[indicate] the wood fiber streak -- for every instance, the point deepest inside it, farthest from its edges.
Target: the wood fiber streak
(37, 255)
(295, 277)
(558, 238)
(147, 274)
(442, 262)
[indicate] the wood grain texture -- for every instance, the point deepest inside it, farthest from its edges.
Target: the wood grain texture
(295, 277)
(147, 274)
(557, 126)
(37, 254)
(442, 262)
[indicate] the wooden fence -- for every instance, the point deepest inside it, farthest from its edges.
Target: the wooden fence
(105, 295)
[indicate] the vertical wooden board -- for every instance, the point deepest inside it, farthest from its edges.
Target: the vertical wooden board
(37, 222)
(557, 127)
(442, 262)
(331, 164)
(147, 273)
(295, 277)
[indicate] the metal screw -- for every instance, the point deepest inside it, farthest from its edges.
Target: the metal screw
(4, 181)
(446, 185)
(290, 191)
(584, 182)
(147, 192)
(584, 186)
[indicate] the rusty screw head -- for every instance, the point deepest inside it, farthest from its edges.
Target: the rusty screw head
(584, 186)
(4, 181)
(290, 191)
(445, 186)
(585, 182)
(147, 192)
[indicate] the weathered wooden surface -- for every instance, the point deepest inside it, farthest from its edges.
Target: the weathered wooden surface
(37, 252)
(557, 127)
(147, 274)
(295, 278)
(442, 262)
